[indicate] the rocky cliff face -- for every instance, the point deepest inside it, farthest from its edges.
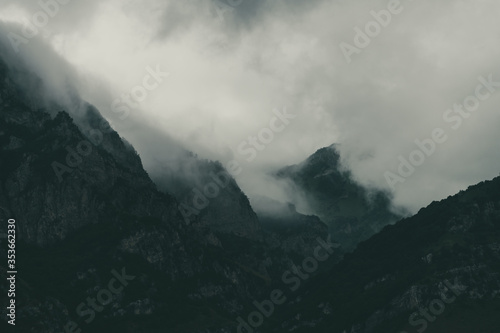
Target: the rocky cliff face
(209, 196)
(88, 217)
(85, 208)
(353, 213)
(54, 176)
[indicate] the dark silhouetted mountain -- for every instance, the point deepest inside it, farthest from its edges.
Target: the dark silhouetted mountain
(352, 212)
(209, 197)
(438, 271)
(88, 215)
(84, 206)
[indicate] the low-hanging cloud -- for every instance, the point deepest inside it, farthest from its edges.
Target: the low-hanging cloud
(231, 65)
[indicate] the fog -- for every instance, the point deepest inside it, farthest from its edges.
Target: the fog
(231, 68)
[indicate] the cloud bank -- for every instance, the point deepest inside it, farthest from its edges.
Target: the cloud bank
(232, 63)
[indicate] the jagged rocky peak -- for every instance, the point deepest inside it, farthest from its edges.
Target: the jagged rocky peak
(83, 202)
(69, 176)
(352, 212)
(209, 196)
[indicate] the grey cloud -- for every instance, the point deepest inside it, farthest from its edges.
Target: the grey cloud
(228, 77)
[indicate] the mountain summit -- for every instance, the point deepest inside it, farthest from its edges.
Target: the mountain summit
(352, 212)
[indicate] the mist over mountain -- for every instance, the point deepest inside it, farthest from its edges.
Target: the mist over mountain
(230, 65)
(436, 271)
(352, 212)
(215, 166)
(85, 204)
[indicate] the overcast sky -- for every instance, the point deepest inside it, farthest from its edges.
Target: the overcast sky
(231, 65)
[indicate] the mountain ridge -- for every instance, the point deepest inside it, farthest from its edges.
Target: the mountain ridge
(85, 207)
(352, 212)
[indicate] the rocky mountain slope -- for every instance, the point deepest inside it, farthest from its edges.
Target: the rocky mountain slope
(103, 248)
(87, 212)
(352, 212)
(209, 196)
(438, 271)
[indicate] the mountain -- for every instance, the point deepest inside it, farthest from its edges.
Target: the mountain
(102, 247)
(294, 232)
(93, 227)
(209, 196)
(352, 212)
(437, 271)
